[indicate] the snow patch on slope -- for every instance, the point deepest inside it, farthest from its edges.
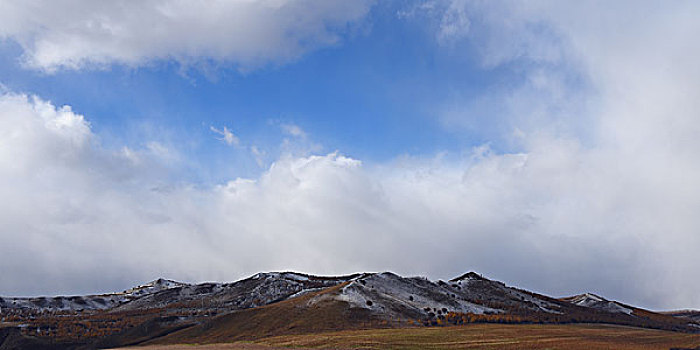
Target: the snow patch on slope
(396, 296)
(594, 301)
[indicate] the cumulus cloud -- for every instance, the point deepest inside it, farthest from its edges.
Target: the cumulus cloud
(75, 34)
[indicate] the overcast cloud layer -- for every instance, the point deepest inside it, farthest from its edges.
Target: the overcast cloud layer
(603, 195)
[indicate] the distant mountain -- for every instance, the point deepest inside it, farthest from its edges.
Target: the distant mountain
(165, 311)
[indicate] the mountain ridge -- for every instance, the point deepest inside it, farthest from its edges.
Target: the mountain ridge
(167, 311)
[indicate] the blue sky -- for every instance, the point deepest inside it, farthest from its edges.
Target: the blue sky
(552, 145)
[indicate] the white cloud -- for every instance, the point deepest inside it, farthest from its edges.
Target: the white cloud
(226, 136)
(455, 22)
(59, 188)
(298, 142)
(75, 34)
(259, 155)
(162, 152)
(608, 98)
(293, 130)
(452, 24)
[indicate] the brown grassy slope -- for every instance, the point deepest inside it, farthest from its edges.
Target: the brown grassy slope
(11, 339)
(293, 316)
(475, 336)
(139, 334)
(495, 336)
(218, 346)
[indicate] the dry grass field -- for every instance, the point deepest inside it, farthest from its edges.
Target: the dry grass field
(480, 336)
(224, 346)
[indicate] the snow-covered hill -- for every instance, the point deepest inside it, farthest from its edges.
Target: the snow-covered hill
(398, 297)
(593, 301)
(383, 295)
(260, 289)
(279, 302)
(88, 302)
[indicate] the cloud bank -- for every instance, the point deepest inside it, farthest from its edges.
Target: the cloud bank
(78, 34)
(560, 218)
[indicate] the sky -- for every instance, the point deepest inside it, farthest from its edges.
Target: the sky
(552, 145)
